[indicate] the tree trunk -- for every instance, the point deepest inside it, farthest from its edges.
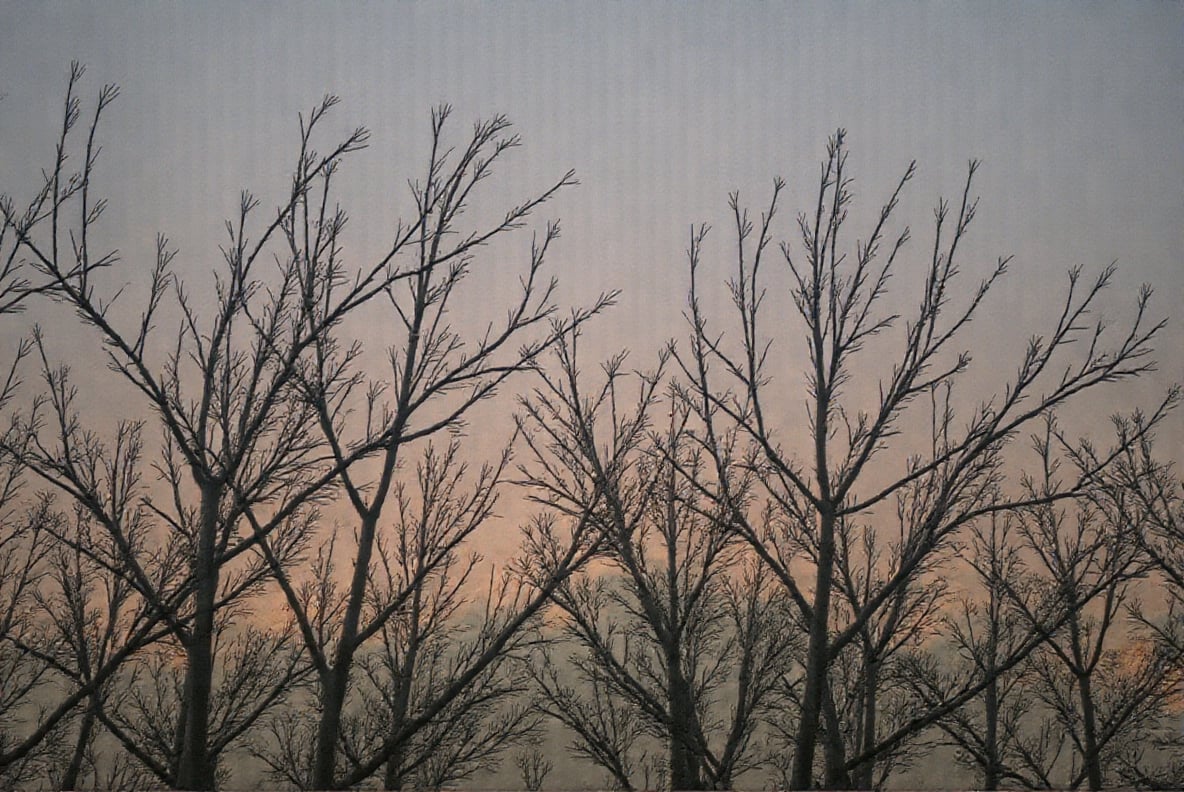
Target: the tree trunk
(195, 770)
(991, 734)
(85, 730)
(871, 684)
(1093, 763)
(335, 685)
(835, 753)
(684, 754)
(817, 654)
(393, 778)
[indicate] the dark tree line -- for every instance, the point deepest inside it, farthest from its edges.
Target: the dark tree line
(274, 553)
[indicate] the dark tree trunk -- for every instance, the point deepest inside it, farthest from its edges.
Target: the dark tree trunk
(393, 775)
(195, 769)
(1093, 763)
(335, 684)
(837, 776)
(991, 735)
(78, 756)
(685, 763)
(871, 684)
(817, 655)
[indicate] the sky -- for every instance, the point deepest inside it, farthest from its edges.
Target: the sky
(1075, 109)
(662, 109)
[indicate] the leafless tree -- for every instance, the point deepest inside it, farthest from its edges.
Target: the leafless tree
(534, 768)
(872, 696)
(25, 547)
(87, 615)
(985, 631)
(857, 460)
(588, 444)
(58, 629)
(25, 544)
(422, 651)
(437, 634)
(1108, 689)
(671, 618)
(608, 729)
(238, 437)
(251, 402)
(1150, 497)
(1076, 550)
(612, 691)
(436, 376)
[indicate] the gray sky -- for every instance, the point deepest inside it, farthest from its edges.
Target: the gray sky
(662, 108)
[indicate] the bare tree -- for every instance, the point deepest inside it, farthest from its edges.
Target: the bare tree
(24, 544)
(238, 436)
(623, 694)
(608, 729)
(436, 634)
(1144, 491)
(87, 614)
(589, 449)
(1076, 550)
(1150, 497)
(1055, 579)
(1105, 699)
(439, 633)
(847, 469)
(555, 545)
(71, 618)
(534, 768)
(25, 547)
(436, 376)
(671, 619)
(993, 732)
(870, 693)
(250, 405)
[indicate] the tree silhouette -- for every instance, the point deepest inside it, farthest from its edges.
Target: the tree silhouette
(270, 542)
(678, 619)
(237, 436)
(846, 468)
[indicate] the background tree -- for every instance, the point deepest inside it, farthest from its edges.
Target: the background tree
(236, 432)
(869, 686)
(1151, 497)
(1055, 576)
(437, 375)
(440, 633)
(677, 625)
(25, 546)
(999, 733)
(420, 649)
(66, 622)
(1108, 688)
(588, 446)
(87, 613)
(1076, 551)
(847, 470)
(534, 768)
